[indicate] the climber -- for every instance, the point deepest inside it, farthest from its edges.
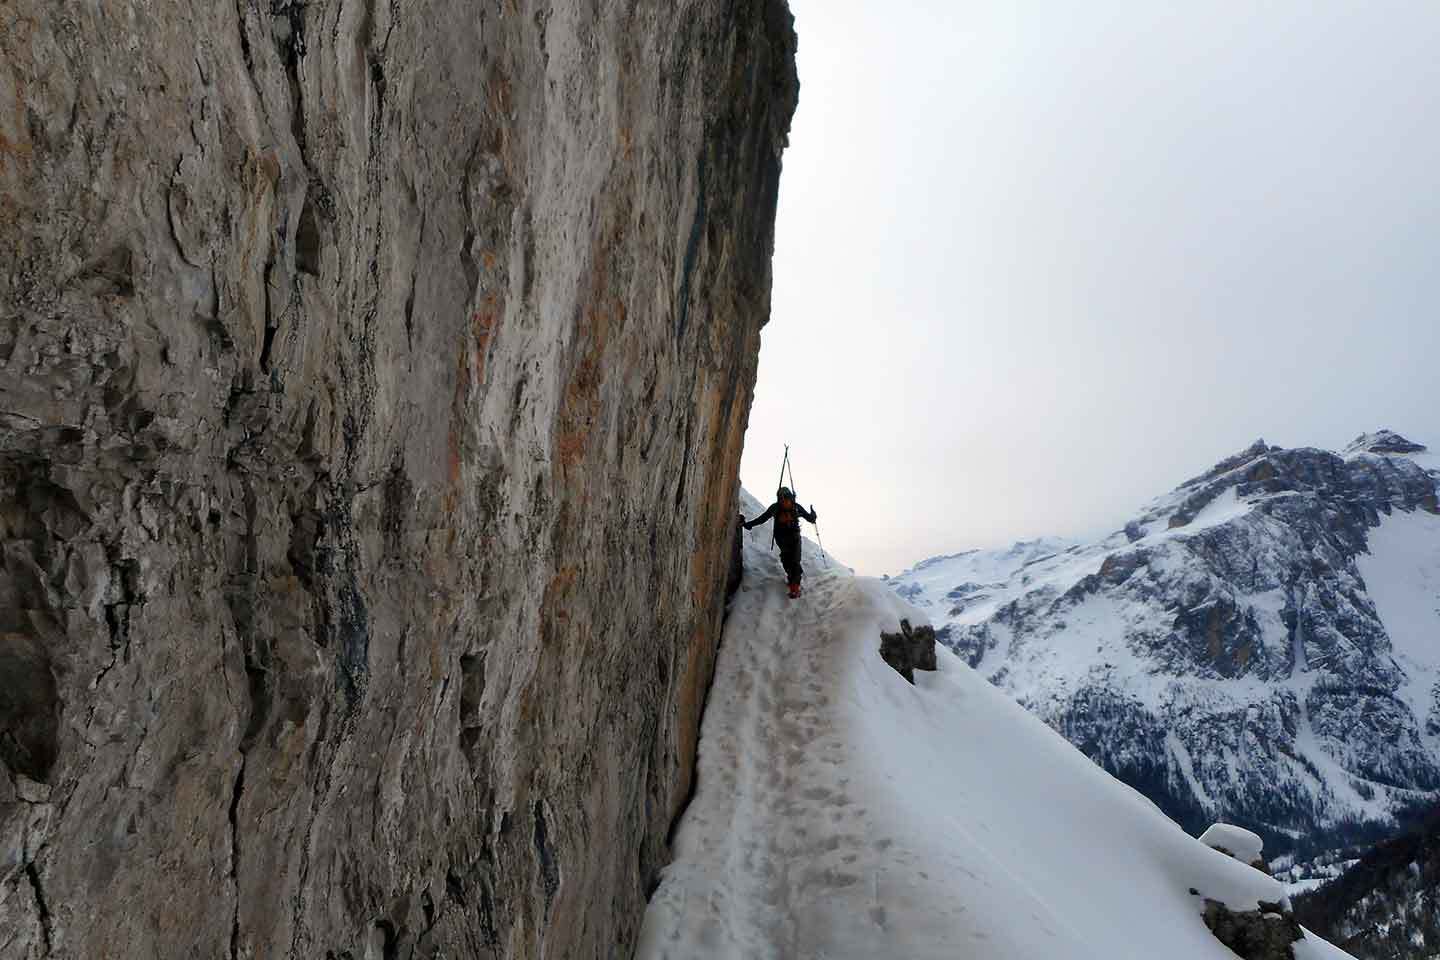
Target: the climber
(787, 514)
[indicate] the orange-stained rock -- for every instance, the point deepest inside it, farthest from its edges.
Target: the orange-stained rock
(374, 383)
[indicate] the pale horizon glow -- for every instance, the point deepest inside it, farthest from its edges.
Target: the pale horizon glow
(1038, 263)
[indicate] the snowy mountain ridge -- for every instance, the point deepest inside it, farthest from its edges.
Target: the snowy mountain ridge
(841, 812)
(1261, 645)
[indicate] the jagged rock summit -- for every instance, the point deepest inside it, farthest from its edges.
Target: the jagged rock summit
(1383, 441)
(368, 370)
(1259, 646)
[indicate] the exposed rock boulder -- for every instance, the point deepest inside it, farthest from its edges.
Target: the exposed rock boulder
(1263, 934)
(368, 371)
(909, 650)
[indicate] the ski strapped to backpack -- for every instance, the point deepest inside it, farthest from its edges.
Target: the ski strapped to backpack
(781, 482)
(788, 517)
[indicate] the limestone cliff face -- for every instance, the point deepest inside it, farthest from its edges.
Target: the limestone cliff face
(374, 382)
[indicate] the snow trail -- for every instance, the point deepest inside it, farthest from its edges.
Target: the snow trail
(842, 813)
(766, 748)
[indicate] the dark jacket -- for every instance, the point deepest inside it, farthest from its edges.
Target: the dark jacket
(787, 521)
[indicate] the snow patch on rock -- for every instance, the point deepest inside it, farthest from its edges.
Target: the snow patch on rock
(1238, 842)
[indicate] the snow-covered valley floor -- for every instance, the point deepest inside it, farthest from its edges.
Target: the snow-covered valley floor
(840, 812)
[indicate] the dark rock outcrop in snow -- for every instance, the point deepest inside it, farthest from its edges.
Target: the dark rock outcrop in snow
(1267, 933)
(1224, 654)
(369, 370)
(913, 648)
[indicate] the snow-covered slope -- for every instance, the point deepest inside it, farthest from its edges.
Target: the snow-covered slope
(1262, 645)
(842, 813)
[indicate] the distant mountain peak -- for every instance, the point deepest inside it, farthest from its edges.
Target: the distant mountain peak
(1256, 646)
(1383, 441)
(1253, 452)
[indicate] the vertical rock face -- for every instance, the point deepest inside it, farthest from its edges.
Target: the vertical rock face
(374, 383)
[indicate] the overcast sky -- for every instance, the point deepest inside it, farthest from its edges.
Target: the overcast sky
(1037, 263)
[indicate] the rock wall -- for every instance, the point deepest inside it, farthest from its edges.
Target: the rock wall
(374, 383)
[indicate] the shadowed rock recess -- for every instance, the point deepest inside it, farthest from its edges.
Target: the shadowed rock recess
(374, 383)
